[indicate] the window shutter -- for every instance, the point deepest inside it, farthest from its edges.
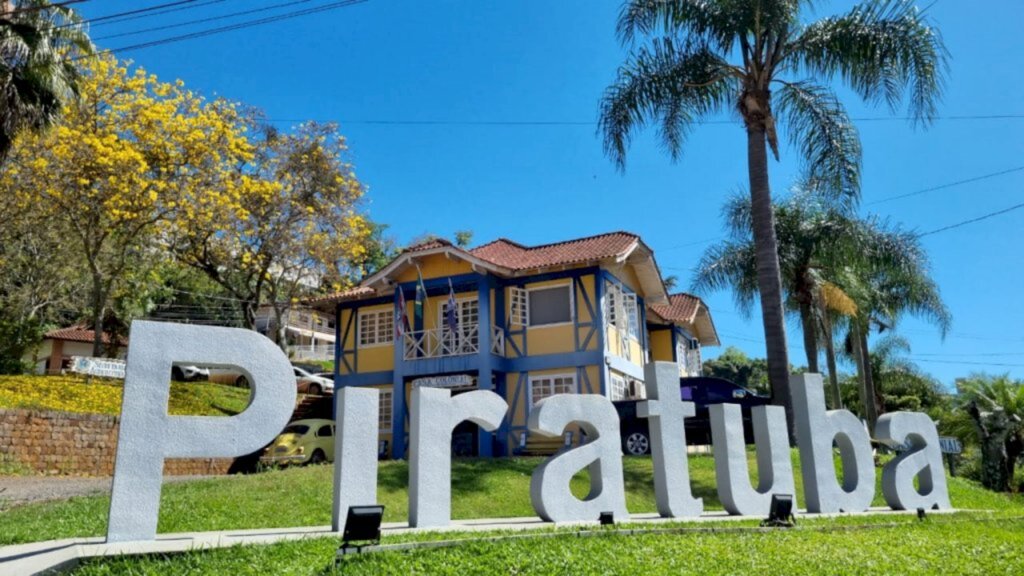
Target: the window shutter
(631, 315)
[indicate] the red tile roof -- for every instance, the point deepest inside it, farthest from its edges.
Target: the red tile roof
(681, 307)
(427, 245)
(78, 334)
(515, 256)
(350, 294)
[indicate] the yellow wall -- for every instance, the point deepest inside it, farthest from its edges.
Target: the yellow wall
(661, 345)
(436, 266)
(378, 357)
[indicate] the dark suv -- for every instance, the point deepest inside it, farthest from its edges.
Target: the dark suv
(702, 391)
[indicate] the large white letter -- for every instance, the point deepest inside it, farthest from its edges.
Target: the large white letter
(665, 412)
(602, 455)
(433, 416)
(924, 460)
(774, 466)
(355, 451)
(815, 431)
(148, 435)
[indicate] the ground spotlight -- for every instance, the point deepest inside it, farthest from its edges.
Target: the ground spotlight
(780, 514)
(921, 514)
(362, 528)
(606, 519)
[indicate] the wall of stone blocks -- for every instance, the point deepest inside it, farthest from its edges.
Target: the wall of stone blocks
(64, 443)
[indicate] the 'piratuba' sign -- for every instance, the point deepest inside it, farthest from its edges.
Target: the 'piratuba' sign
(148, 435)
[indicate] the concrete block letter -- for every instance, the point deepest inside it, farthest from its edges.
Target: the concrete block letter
(923, 460)
(774, 466)
(816, 430)
(602, 455)
(433, 416)
(355, 451)
(665, 413)
(148, 435)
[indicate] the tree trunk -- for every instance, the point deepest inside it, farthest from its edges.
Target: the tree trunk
(873, 408)
(769, 279)
(867, 397)
(830, 359)
(280, 328)
(810, 335)
(98, 309)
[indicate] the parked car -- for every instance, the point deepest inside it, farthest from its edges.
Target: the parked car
(702, 391)
(308, 383)
(189, 373)
(302, 442)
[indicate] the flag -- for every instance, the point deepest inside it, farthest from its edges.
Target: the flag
(421, 298)
(452, 317)
(401, 320)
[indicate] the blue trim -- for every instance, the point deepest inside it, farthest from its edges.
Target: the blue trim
(398, 407)
(550, 361)
(675, 356)
(599, 321)
(367, 379)
(484, 358)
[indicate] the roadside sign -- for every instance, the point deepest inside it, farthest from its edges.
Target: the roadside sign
(104, 367)
(950, 445)
(451, 381)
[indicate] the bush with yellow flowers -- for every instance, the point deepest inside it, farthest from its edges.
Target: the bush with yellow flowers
(103, 396)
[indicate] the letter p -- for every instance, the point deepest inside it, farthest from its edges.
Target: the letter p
(148, 435)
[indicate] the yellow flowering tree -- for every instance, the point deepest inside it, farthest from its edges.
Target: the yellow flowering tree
(126, 161)
(298, 226)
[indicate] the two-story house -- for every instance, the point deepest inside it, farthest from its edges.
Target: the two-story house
(310, 334)
(580, 316)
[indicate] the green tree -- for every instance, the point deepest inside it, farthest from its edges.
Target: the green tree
(735, 366)
(38, 43)
(756, 57)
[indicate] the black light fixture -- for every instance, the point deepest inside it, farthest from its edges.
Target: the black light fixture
(780, 514)
(362, 528)
(921, 514)
(606, 519)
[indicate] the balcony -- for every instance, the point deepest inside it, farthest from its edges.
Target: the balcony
(305, 352)
(441, 342)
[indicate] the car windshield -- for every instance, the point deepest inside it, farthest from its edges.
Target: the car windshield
(299, 429)
(300, 372)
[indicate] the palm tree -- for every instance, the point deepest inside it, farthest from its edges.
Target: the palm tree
(889, 280)
(996, 407)
(757, 58)
(813, 242)
(38, 44)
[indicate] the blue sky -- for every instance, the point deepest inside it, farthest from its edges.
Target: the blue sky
(426, 69)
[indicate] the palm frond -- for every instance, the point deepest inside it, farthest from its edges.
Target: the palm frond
(729, 265)
(662, 82)
(698, 21)
(827, 139)
(882, 49)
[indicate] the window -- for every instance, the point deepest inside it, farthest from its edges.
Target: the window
(550, 305)
(325, 431)
(632, 313)
(376, 328)
(384, 411)
(542, 387)
(614, 295)
(618, 389)
(519, 308)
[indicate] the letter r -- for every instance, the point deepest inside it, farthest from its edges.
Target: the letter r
(148, 434)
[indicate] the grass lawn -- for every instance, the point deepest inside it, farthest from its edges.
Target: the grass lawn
(101, 396)
(500, 488)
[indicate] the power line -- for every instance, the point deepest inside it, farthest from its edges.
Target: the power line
(154, 11)
(972, 220)
(944, 186)
(966, 362)
(232, 27)
(147, 9)
(536, 123)
(204, 20)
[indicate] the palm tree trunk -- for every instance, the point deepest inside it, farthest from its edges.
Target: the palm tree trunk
(810, 335)
(830, 359)
(867, 397)
(769, 279)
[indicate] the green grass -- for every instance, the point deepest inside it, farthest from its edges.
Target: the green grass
(302, 497)
(957, 545)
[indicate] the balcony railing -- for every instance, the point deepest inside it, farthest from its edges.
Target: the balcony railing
(319, 352)
(441, 342)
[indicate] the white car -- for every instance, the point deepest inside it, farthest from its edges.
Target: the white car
(189, 373)
(312, 384)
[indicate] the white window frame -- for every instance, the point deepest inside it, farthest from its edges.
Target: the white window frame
(384, 401)
(611, 313)
(617, 381)
(519, 307)
(631, 309)
(442, 322)
(572, 305)
(378, 338)
(570, 375)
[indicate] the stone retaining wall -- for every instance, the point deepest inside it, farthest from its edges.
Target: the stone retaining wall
(65, 443)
